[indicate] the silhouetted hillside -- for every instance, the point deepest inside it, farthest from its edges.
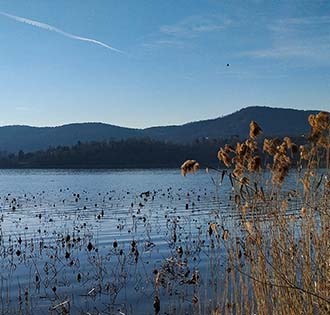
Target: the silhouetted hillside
(15, 138)
(274, 121)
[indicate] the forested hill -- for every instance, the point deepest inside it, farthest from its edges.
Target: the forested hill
(274, 121)
(29, 139)
(130, 153)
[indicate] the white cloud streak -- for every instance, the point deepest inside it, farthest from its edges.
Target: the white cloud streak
(194, 25)
(306, 38)
(188, 29)
(57, 30)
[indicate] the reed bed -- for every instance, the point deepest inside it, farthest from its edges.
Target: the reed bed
(278, 252)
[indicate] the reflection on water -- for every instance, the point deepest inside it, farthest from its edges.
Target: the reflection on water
(114, 242)
(97, 242)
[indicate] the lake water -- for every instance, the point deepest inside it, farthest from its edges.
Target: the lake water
(93, 242)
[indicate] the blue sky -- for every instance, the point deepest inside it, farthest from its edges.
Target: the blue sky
(173, 65)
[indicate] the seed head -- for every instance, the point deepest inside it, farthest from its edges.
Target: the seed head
(255, 130)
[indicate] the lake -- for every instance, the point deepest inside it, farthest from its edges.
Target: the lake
(108, 241)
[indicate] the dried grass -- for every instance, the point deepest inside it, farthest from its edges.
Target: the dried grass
(279, 260)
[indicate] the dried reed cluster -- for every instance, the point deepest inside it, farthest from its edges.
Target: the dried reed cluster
(318, 138)
(320, 128)
(245, 156)
(189, 166)
(279, 258)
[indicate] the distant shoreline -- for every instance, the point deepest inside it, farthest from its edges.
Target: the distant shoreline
(70, 167)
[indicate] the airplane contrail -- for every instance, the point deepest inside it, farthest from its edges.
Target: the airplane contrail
(57, 30)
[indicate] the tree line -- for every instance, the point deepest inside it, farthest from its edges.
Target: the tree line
(130, 153)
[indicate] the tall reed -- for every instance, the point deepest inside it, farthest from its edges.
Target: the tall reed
(278, 255)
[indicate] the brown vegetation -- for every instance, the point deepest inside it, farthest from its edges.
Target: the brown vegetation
(278, 256)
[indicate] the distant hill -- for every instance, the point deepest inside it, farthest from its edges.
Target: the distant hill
(274, 121)
(26, 138)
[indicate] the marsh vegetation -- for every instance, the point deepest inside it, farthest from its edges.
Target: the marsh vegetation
(278, 254)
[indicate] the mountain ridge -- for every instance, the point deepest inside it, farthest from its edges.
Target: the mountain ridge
(275, 121)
